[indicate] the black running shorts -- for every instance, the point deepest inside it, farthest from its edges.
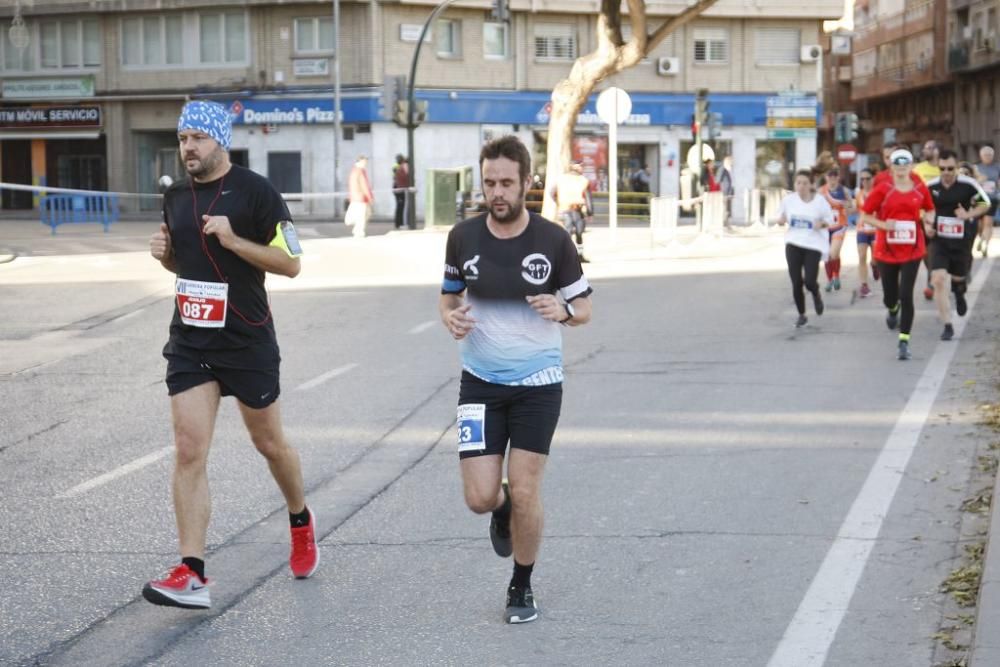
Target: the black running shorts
(491, 415)
(954, 258)
(250, 374)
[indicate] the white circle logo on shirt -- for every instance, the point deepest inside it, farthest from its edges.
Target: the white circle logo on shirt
(537, 268)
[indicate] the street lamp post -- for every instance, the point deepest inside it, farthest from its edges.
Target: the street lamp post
(336, 105)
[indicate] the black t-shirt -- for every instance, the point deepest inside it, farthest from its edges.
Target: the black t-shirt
(254, 209)
(965, 191)
(511, 344)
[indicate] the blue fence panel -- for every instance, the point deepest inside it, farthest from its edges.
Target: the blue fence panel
(77, 208)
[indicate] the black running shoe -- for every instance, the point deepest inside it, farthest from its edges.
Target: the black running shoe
(801, 322)
(960, 304)
(892, 320)
(818, 302)
(904, 351)
(948, 333)
(520, 605)
(500, 527)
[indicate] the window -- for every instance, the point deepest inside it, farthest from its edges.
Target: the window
(711, 45)
(68, 44)
(153, 40)
(14, 59)
(222, 38)
(449, 38)
(495, 40)
(314, 35)
(778, 46)
(555, 42)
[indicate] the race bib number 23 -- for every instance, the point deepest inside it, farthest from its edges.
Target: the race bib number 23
(202, 304)
(471, 420)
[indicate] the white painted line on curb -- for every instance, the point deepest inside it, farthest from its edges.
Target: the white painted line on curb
(320, 379)
(810, 633)
(120, 471)
(420, 328)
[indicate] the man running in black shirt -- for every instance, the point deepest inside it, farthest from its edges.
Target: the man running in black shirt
(958, 201)
(503, 271)
(224, 228)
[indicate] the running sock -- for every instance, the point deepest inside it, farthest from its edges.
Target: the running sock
(894, 309)
(196, 565)
(958, 286)
(904, 337)
(828, 266)
(522, 575)
(834, 268)
(300, 519)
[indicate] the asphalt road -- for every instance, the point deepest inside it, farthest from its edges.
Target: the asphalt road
(718, 491)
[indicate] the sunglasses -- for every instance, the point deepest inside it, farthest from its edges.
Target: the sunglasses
(947, 168)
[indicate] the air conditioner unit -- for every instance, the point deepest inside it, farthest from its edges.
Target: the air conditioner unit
(668, 66)
(810, 53)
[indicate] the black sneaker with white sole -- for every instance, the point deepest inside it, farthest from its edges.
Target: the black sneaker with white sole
(948, 333)
(904, 351)
(500, 526)
(521, 606)
(961, 305)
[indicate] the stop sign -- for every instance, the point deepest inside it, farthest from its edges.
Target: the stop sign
(846, 153)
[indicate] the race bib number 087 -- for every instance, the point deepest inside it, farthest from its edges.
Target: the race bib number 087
(202, 304)
(471, 422)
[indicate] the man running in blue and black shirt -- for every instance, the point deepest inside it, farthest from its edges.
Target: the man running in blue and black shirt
(958, 201)
(511, 279)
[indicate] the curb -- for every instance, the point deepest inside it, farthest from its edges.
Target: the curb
(985, 651)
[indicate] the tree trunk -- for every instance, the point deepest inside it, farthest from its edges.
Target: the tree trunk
(612, 56)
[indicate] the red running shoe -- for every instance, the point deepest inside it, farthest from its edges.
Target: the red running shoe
(929, 293)
(865, 291)
(304, 558)
(181, 588)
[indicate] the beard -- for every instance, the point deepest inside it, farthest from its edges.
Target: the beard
(203, 165)
(514, 209)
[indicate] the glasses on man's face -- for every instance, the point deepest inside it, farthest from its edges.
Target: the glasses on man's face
(866, 178)
(947, 168)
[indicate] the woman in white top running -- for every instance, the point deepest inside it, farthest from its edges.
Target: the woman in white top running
(806, 241)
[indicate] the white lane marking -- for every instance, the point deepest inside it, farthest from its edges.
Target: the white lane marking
(120, 471)
(810, 633)
(420, 328)
(320, 379)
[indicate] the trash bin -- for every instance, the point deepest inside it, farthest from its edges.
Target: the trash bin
(448, 193)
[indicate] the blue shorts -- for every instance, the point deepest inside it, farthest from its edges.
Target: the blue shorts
(864, 237)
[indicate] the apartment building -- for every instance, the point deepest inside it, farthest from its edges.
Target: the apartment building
(974, 62)
(92, 99)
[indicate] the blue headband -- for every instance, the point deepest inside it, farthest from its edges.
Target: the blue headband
(209, 117)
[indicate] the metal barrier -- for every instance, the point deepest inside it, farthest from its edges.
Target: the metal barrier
(631, 205)
(58, 210)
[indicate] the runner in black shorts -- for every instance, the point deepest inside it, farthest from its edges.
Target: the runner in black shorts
(958, 201)
(223, 229)
(503, 271)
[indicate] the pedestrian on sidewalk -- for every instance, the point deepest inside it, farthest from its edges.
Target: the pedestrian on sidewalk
(903, 212)
(400, 186)
(224, 227)
(360, 192)
(573, 202)
(511, 278)
(807, 241)
(989, 169)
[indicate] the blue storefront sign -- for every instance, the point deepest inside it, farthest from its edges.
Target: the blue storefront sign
(502, 107)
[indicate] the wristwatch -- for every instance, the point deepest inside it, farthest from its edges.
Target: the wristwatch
(570, 313)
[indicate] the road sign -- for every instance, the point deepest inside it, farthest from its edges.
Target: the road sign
(846, 153)
(614, 105)
(791, 116)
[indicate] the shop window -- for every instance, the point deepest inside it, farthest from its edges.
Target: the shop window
(152, 40)
(555, 42)
(240, 156)
(449, 38)
(777, 46)
(711, 45)
(314, 35)
(68, 44)
(495, 41)
(284, 170)
(222, 38)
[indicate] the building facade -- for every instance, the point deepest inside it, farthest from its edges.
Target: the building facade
(92, 100)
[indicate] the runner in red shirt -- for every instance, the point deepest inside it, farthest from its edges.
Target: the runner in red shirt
(903, 214)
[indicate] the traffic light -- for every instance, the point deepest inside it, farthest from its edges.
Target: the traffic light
(695, 128)
(500, 11)
(419, 112)
(840, 128)
(714, 123)
(851, 126)
(393, 90)
(701, 107)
